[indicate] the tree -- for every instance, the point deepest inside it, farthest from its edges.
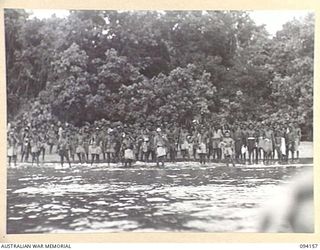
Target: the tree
(69, 86)
(293, 59)
(180, 97)
(159, 67)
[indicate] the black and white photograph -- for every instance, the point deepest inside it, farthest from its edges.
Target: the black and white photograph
(159, 121)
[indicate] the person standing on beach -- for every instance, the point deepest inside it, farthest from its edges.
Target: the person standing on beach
(42, 143)
(25, 147)
(216, 138)
(152, 146)
(127, 149)
(268, 144)
(277, 142)
(52, 137)
(202, 145)
(228, 148)
(145, 148)
(63, 149)
(35, 146)
(285, 142)
(238, 139)
(86, 142)
(160, 142)
(171, 144)
(101, 135)
(261, 141)
(12, 143)
(297, 138)
(110, 143)
(94, 148)
(81, 153)
(72, 144)
(183, 143)
(293, 142)
(252, 144)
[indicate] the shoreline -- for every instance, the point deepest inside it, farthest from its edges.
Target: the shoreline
(307, 162)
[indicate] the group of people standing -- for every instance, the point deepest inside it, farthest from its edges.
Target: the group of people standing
(240, 143)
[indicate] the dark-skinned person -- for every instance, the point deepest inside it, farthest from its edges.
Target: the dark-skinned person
(251, 139)
(20, 136)
(94, 147)
(60, 129)
(118, 141)
(42, 144)
(35, 149)
(86, 142)
(176, 133)
(12, 143)
(268, 144)
(270, 141)
(216, 138)
(202, 145)
(209, 142)
(183, 143)
(110, 143)
(63, 149)
(26, 148)
(138, 144)
(291, 142)
(52, 137)
(228, 148)
(277, 143)
(297, 138)
(102, 141)
(81, 153)
(261, 141)
(195, 144)
(127, 148)
(171, 144)
(145, 145)
(152, 146)
(244, 147)
(160, 141)
(72, 145)
(189, 146)
(284, 142)
(238, 142)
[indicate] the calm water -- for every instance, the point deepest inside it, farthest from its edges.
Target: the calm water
(180, 197)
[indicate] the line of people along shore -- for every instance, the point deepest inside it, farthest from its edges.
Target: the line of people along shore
(242, 143)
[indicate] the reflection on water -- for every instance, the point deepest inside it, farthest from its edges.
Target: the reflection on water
(183, 197)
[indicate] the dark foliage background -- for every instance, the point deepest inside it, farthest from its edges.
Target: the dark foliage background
(157, 67)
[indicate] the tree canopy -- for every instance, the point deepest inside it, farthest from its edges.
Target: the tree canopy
(157, 67)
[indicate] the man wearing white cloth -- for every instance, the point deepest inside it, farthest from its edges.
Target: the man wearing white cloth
(160, 142)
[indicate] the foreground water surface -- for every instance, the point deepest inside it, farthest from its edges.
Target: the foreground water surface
(144, 198)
